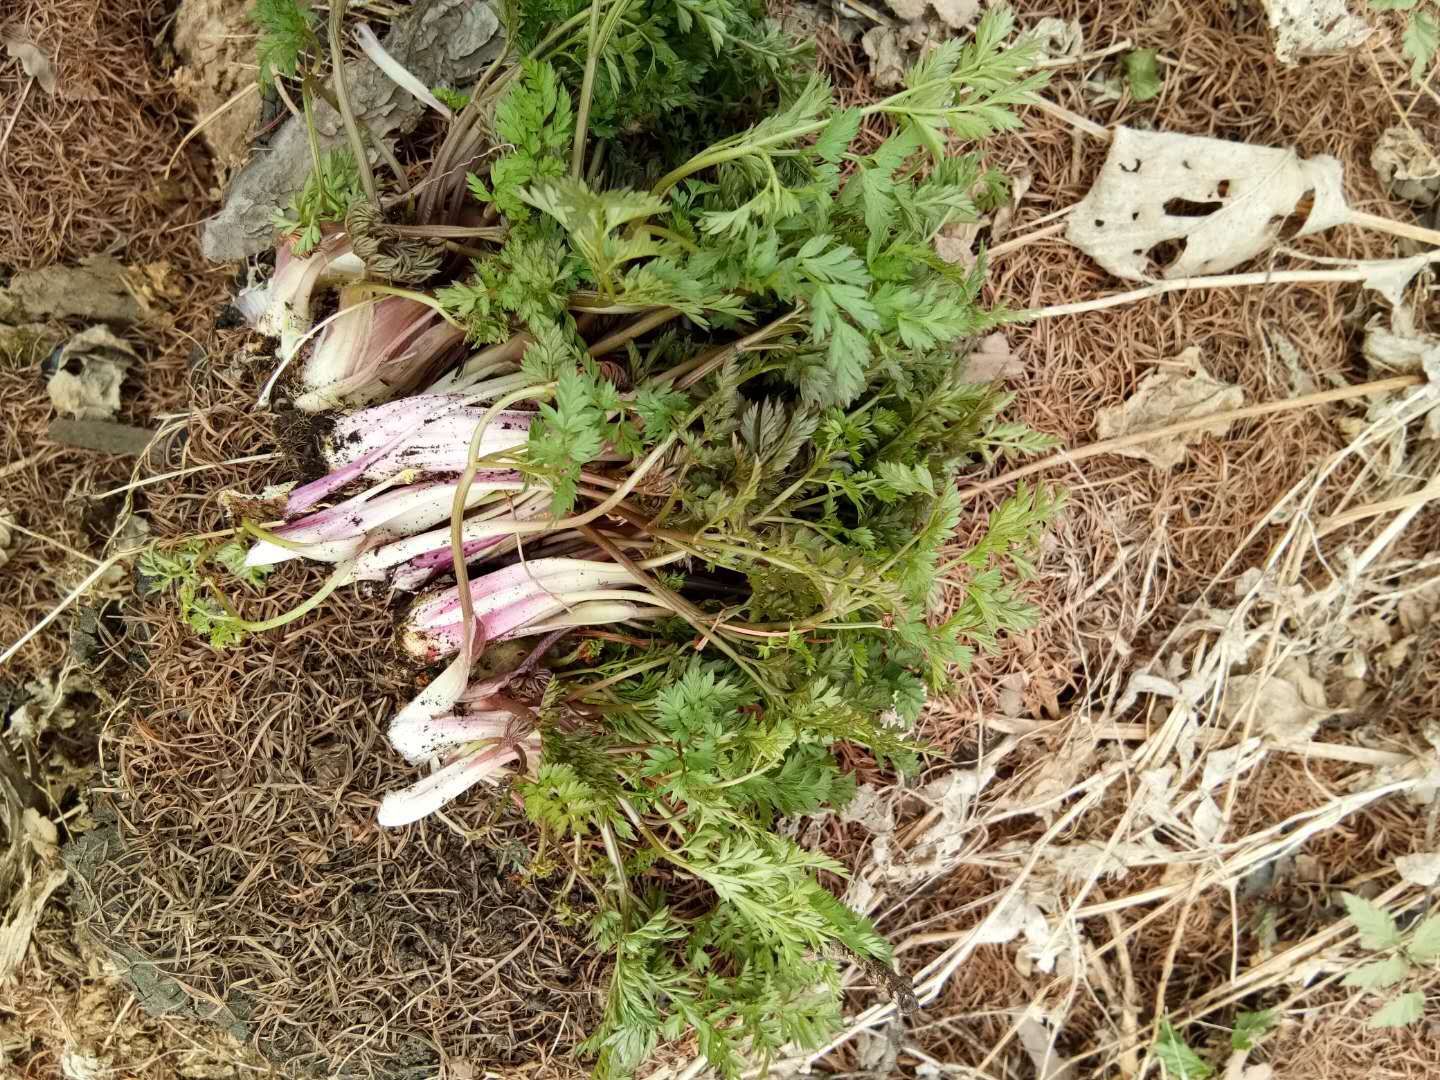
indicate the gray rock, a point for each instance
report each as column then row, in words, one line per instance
column 443, row 42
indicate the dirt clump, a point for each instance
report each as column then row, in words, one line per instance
column 215, row 42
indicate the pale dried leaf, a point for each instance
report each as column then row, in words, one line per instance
column 1011, row 697
column 78, row 1063
column 1168, row 397
column 1058, row 774
column 871, row 807
column 1019, row 186
column 1391, row 277
column 36, row 64
column 860, row 895
column 1390, row 351
column 1019, row 915
column 1208, row 820
column 41, row 834
column 1039, row 1046
column 7, row 534
column 1229, row 763
column 48, row 706
column 1220, row 203
column 1236, row 1069
column 957, row 14
column 992, row 360
column 1107, row 89
column 23, row 912
column 1422, row 868
column 1288, row 705
column 955, row 243
column 1418, row 607
column 951, row 798
column 1155, row 800
column 909, row 10
column 1055, row 39
column 92, row 392
column 1077, row 863
column 1407, row 166
column 886, row 52
column 1301, row 381
column 1313, row 28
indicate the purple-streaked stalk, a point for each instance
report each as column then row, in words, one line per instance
column 426, row 796
column 507, row 601
column 375, row 351
column 282, row 306
column 471, row 633
column 414, row 559
column 533, row 597
column 425, row 435
column 372, row 519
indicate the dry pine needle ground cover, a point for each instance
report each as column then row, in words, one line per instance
column 1133, row 914
column 242, row 786
column 80, row 175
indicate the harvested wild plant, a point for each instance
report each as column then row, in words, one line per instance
column 682, row 400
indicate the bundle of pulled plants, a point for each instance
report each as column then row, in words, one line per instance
column 654, row 386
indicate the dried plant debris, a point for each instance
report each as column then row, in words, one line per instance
column 7, row 534
column 1286, row 706
column 88, row 372
column 51, row 702
column 1304, row 28
column 1407, row 165
column 892, row 49
column 955, row 243
column 1173, row 206
column 1392, row 346
column 98, row 289
column 1055, row 39
column 1422, row 868
column 35, row 63
column 39, row 877
column 1167, row 397
column 955, row 14
column 993, row 360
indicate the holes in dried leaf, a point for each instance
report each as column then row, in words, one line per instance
column 1293, row 224
column 1178, row 207
column 1166, row 253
